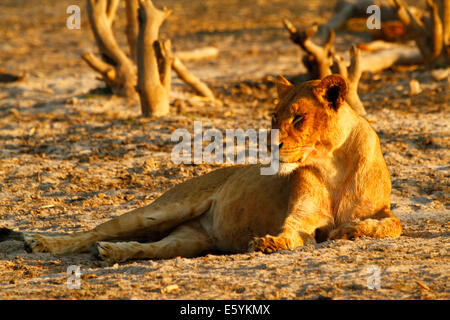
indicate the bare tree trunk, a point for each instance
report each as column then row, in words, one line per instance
column 154, row 61
column 444, row 7
column 132, row 29
column 444, row 10
column 116, row 69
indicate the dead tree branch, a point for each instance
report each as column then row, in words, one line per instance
column 199, row 86
column 319, row 59
column 344, row 10
column 347, row 9
column 197, row 54
column 431, row 33
column 114, row 66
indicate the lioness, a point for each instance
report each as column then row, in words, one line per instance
column 333, row 183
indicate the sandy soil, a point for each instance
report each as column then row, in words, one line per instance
column 73, row 156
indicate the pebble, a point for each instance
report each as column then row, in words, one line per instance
column 414, row 87
column 170, row 288
column 440, row 74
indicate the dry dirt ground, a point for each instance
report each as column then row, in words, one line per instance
column 73, row 156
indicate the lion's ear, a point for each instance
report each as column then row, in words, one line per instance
column 283, row 86
column 332, row 91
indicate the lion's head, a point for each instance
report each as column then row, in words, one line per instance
column 306, row 117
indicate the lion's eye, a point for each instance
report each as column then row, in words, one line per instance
column 297, row 119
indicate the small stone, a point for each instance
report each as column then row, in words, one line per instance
column 170, row 288
column 376, row 77
column 440, row 74
column 72, row 101
column 414, row 87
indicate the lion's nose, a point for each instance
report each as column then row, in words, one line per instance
column 280, row 145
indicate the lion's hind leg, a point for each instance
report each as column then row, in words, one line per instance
column 150, row 221
column 184, row 202
column 187, row 240
column 383, row 224
column 144, row 222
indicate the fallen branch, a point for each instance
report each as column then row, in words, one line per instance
column 378, row 45
column 198, row 54
column 385, row 59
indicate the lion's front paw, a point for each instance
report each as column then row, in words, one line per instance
column 269, row 244
column 347, row 231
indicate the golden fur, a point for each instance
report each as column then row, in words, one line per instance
column 333, row 183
